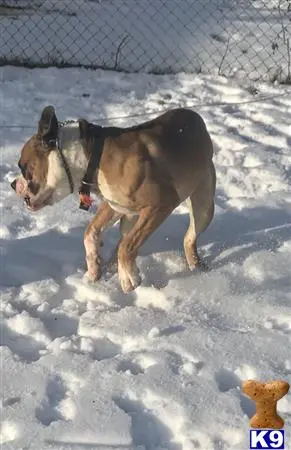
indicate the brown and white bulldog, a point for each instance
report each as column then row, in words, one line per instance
column 142, row 174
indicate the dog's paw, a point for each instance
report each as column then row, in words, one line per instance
column 92, row 275
column 129, row 280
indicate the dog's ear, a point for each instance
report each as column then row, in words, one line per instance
column 48, row 125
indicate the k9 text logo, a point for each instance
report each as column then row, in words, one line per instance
column 267, row 439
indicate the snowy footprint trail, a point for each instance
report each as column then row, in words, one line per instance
column 87, row 367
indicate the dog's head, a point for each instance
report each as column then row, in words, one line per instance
column 42, row 176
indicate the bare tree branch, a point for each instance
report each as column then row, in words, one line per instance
column 223, row 56
column 122, row 43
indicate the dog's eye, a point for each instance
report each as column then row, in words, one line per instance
column 22, row 168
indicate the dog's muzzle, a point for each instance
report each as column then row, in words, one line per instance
column 26, row 198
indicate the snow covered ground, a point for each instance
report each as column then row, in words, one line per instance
column 87, row 367
column 234, row 37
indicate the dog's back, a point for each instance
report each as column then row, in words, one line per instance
column 173, row 151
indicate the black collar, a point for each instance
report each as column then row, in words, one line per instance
column 65, row 166
column 96, row 138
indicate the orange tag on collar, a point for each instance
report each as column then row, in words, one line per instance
column 85, row 201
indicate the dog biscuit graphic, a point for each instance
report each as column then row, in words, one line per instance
column 266, row 396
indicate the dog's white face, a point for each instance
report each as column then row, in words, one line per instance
column 43, row 180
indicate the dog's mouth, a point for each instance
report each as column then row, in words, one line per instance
column 27, row 201
column 34, row 206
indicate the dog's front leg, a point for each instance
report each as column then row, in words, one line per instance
column 104, row 218
column 149, row 219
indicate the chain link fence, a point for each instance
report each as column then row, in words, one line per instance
column 227, row 37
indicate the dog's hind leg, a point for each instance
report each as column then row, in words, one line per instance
column 105, row 217
column 201, row 211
